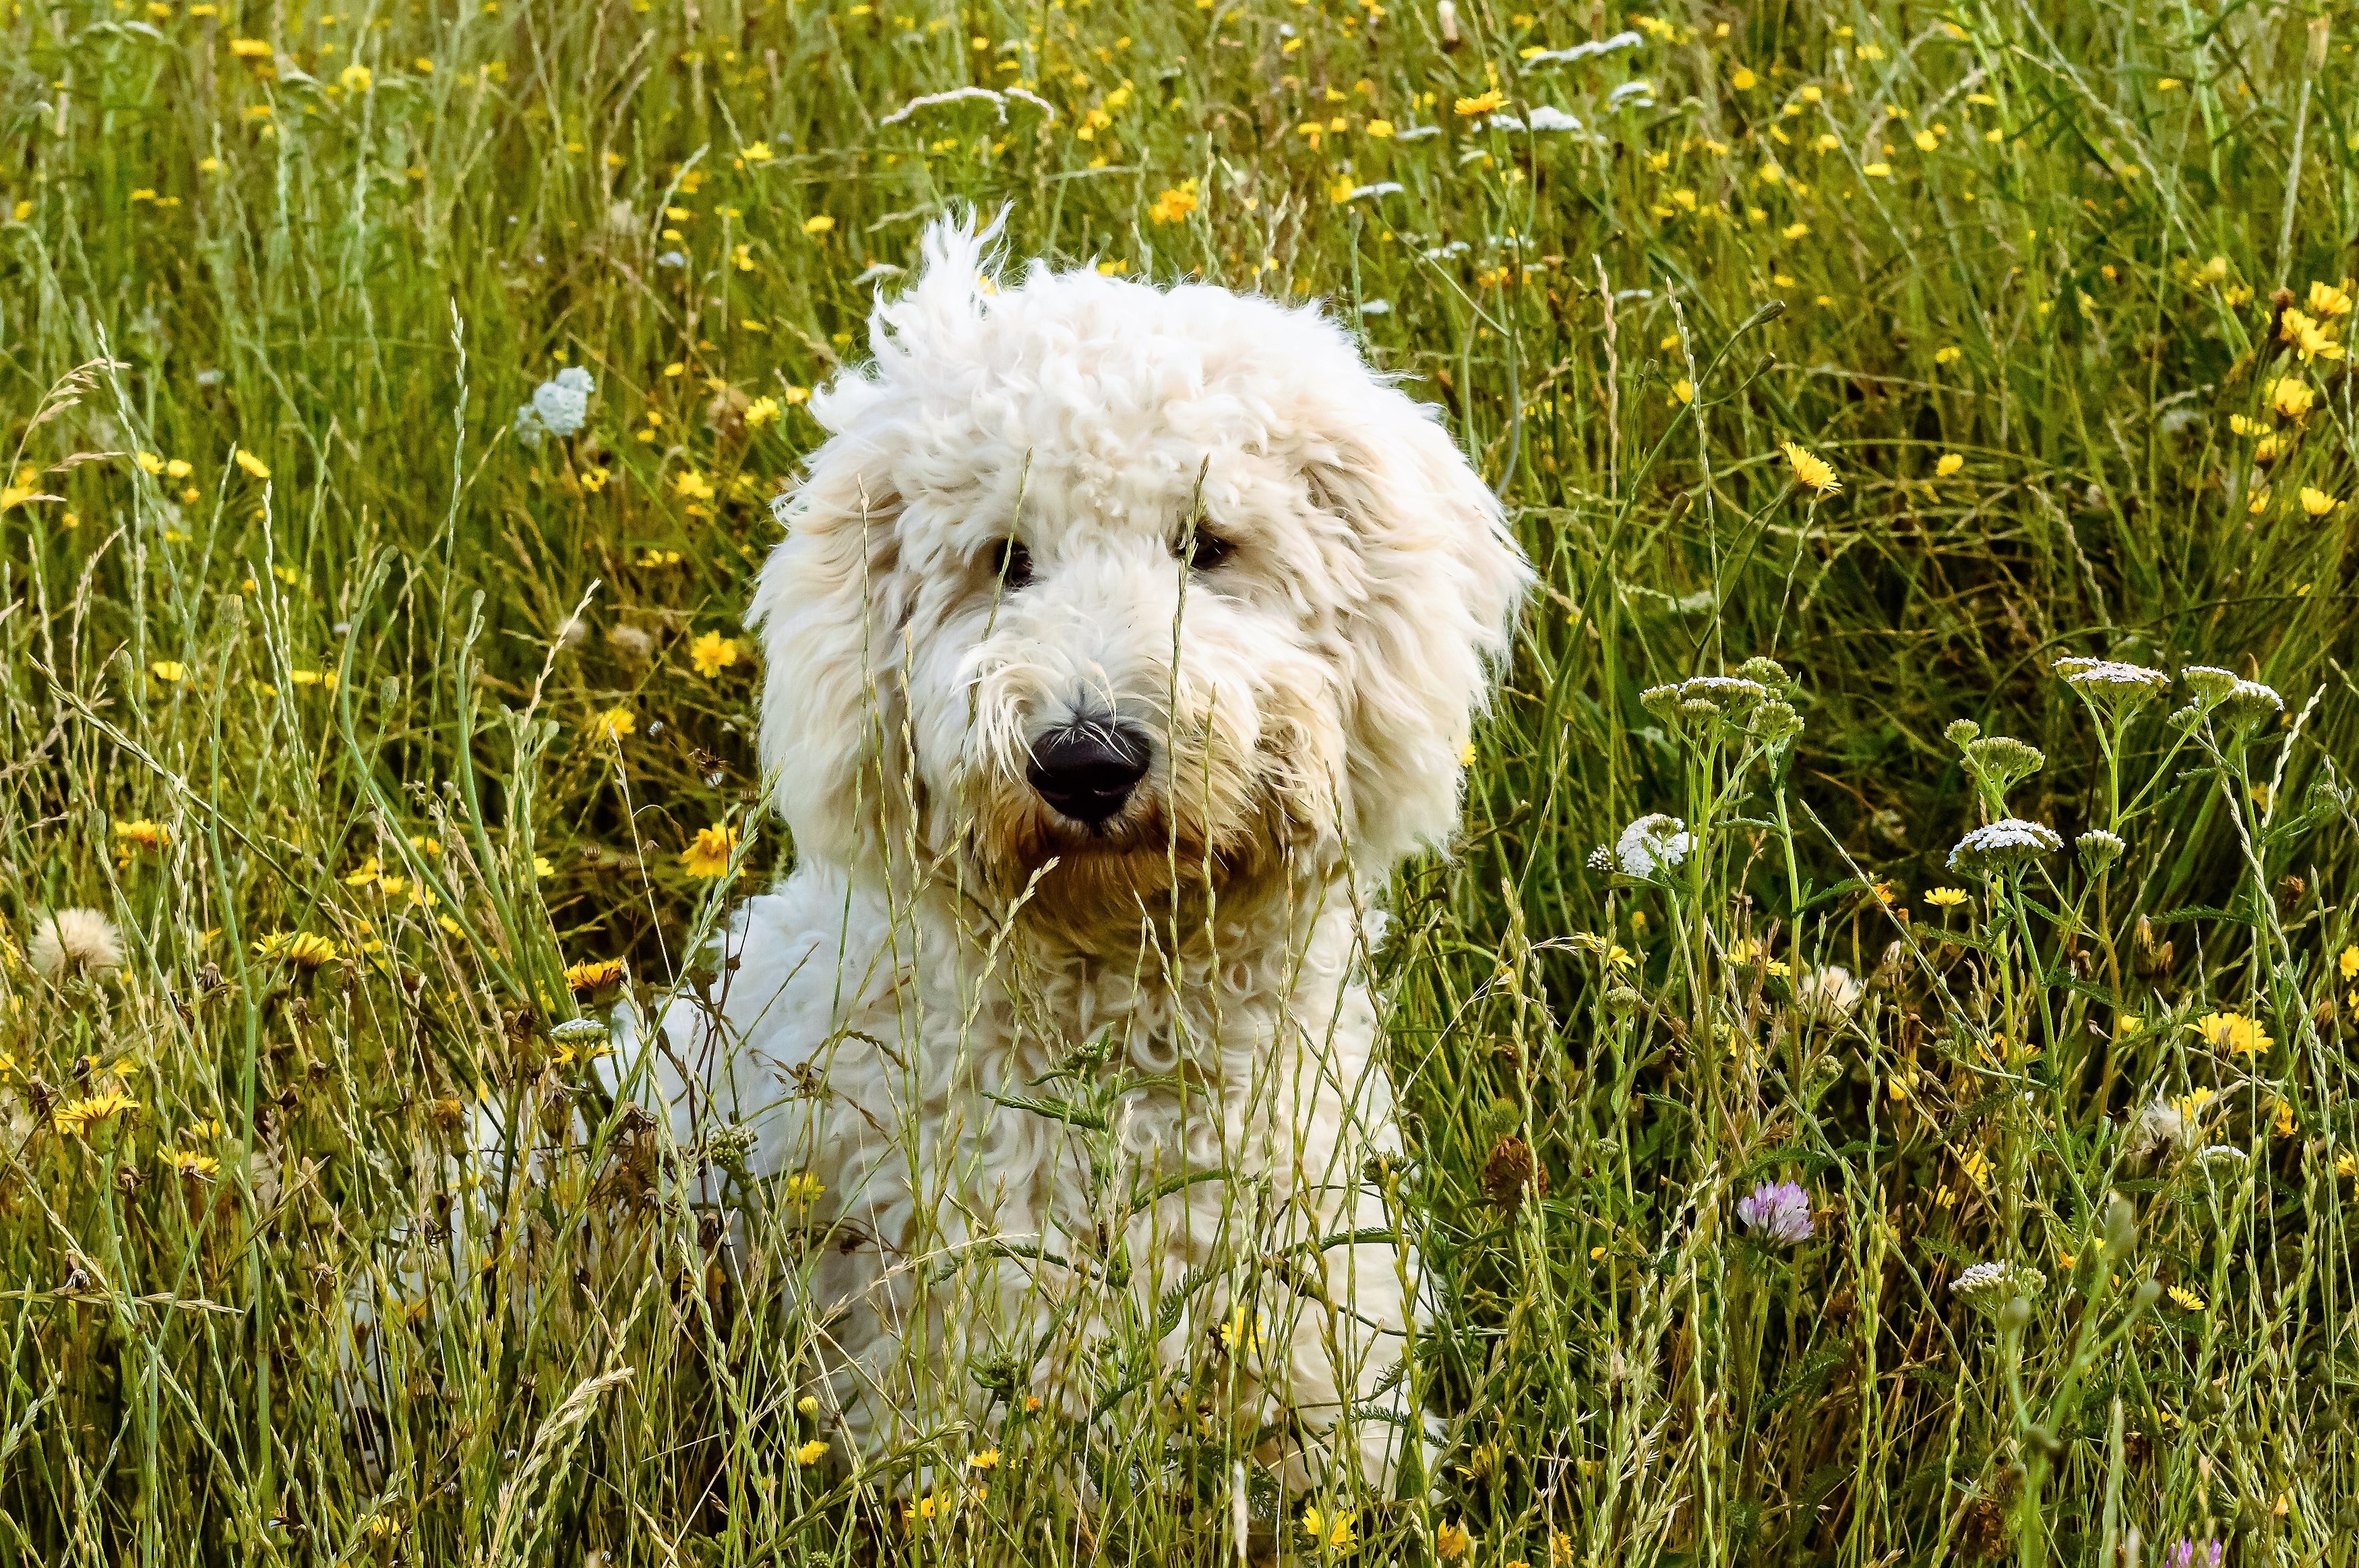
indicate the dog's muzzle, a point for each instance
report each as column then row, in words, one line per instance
column 1087, row 771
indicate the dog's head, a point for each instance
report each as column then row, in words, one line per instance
column 1123, row 577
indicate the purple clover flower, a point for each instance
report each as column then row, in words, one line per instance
column 1778, row 1212
column 2187, row 1554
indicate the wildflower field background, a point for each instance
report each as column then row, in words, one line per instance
column 380, row 729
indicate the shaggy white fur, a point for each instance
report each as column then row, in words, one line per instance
column 1001, row 1037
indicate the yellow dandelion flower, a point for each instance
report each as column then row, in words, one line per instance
column 2234, row 1032
column 2317, row 502
column 760, row 412
column 614, row 724
column 812, row 1452
column 356, row 78
column 192, row 1164
column 1945, row 898
column 1948, row 464
column 1813, row 472
column 249, row 462
column 2347, row 963
column 1331, row 1531
column 2292, row 397
column 712, row 654
column 142, row 835
column 169, row 670
column 986, row 1460
column 802, row 1189
column 77, row 1118
column 708, row 857
column 754, row 152
column 2330, row 299
column 594, row 975
column 692, row 485
column 819, row 224
column 1452, row 1541
column 2185, row 1298
column 1380, row 129
column 304, row 949
column 251, row 49
column 1744, row 81
column 1482, row 103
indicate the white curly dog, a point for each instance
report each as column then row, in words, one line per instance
column 1121, row 642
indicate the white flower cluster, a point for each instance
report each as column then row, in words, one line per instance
column 1653, row 843
column 559, row 407
column 1989, row 1286
column 2111, row 672
column 2003, row 845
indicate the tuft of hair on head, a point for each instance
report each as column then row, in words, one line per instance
column 74, row 942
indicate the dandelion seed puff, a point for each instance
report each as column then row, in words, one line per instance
column 76, row 941
column 1655, row 842
column 1832, row 990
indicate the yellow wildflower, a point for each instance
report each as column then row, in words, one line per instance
column 1948, row 464
column 171, row 670
column 818, row 225
column 594, row 975
column 142, row 834
column 2292, row 397
column 77, row 1118
column 802, row 1189
column 1174, row 205
column 356, row 78
column 249, row 462
column 1452, row 1541
column 986, row 1460
column 708, row 856
column 812, row 1452
column 754, row 152
column 251, row 49
column 2185, row 1297
column 189, row 1162
column 2347, row 962
column 304, row 949
column 2317, row 502
column 712, row 654
column 2330, row 299
column 2235, row 1033
column 1329, row 1531
column 1813, row 472
column 614, row 724
column 692, row 485
column 1482, row 103
column 760, row 412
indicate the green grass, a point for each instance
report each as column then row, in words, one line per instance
column 356, row 286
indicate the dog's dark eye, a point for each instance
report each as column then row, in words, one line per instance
column 1204, row 550
column 1011, row 563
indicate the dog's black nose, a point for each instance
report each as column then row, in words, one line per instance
column 1086, row 771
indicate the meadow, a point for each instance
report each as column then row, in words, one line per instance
column 1835, row 1174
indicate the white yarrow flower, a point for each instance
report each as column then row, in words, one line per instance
column 559, row 407
column 2006, row 843
column 1987, row 1287
column 1653, row 843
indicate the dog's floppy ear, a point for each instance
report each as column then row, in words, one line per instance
column 828, row 607
column 1440, row 581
